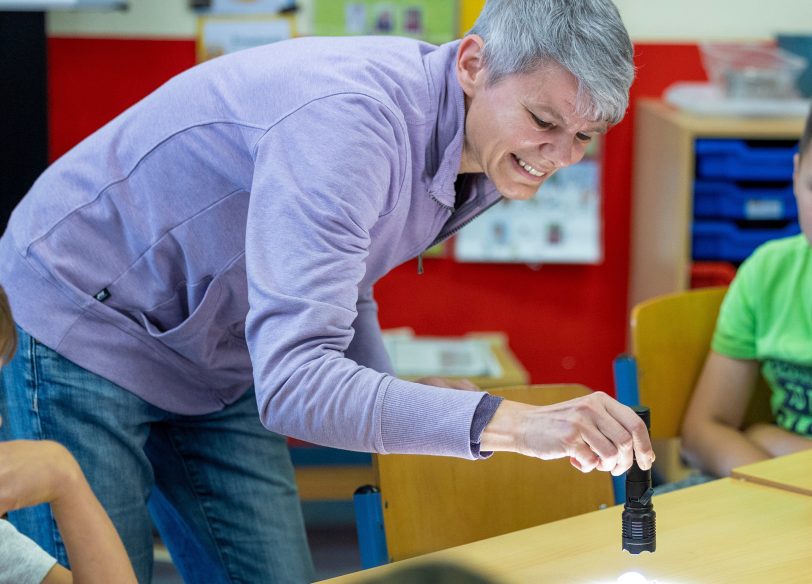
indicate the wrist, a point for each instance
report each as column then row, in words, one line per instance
column 505, row 430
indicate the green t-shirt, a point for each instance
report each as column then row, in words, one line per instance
column 767, row 316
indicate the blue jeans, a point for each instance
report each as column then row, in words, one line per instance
column 219, row 487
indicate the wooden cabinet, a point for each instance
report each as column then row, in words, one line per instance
column 662, row 201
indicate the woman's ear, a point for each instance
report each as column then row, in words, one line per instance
column 470, row 64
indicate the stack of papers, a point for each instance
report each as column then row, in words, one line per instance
column 443, row 357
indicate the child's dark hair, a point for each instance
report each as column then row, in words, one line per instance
column 8, row 334
column 806, row 137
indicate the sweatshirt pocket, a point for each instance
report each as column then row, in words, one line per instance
column 196, row 336
column 203, row 322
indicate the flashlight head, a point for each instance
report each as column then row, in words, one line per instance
column 639, row 520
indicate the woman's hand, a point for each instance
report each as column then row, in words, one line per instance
column 594, row 431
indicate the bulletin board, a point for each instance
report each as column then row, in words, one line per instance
column 221, row 34
column 435, row 21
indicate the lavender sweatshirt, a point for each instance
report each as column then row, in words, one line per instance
column 228, row 229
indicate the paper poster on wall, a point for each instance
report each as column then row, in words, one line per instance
column 432, row 20
column 561, row 224
column 219, row 35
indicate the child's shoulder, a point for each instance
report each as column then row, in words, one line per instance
column 786, row 249
column 778, row 264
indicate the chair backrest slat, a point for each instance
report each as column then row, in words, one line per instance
column 670, row 338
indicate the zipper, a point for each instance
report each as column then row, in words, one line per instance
column 445, row 235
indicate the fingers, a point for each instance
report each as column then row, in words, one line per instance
column 464, row 384
column 641, row 442
column 620, row 458
column 594, row 432
column 618, row 437
column 584, row 459
column 601, row 447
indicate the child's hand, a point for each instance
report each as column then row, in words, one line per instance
column 34, row 472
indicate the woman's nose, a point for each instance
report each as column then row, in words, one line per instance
column 560, row 151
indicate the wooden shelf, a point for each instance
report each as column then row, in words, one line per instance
column 662, row 202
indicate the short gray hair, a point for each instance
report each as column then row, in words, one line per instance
column 585, row 37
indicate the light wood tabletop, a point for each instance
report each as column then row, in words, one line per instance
column 727, row 530
column 792, row 472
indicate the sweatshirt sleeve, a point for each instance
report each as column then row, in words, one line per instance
column 735, row 333
column 324, row 175
column 367, row 346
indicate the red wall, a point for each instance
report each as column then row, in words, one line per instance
column 565, row 323
column 90, row 81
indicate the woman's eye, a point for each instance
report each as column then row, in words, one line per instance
column 541, row 123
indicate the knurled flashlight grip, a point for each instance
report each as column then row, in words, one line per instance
column 639, row 519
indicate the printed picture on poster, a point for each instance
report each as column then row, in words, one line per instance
column 560, row 224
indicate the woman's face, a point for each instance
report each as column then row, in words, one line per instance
column 523, row 128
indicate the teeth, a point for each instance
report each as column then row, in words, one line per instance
column 529, row 168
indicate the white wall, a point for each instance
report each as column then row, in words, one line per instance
column 692, row 20
column 143, row 18
column 647, row 20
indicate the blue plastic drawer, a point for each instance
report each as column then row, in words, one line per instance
column 719, row 240
column 743, row 160
column 727, row 200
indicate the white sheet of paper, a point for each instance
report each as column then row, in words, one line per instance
column 442, row 357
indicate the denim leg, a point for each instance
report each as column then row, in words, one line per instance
column 228, row 480
column 226, row 501
column 101, row 424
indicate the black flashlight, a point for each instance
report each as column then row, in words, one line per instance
column 639, row 526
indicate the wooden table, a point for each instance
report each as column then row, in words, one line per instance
column 723, row 531
column 792, row 472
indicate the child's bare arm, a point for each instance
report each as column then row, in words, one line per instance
column 34, row 472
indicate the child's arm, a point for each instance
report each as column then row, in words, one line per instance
column 33, row 472
column 777, row 441
column 712, row 438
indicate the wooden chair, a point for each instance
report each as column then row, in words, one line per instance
column 431, row 503
column 670, row 339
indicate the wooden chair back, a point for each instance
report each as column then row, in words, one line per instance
column 670, row 338
column 432, row 503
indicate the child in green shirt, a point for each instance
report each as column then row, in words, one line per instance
column 764, row 326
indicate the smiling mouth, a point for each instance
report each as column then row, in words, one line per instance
column 530, row 169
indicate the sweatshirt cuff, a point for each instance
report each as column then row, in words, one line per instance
column 420, row 419
column 482, row 415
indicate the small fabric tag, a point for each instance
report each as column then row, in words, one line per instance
column 102, row 295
